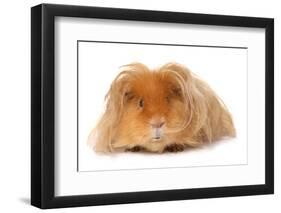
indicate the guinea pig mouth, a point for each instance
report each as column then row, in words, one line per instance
column 156, row 134
column 156, row 138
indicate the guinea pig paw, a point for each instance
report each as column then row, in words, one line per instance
column 174, row 148
column 135, row 149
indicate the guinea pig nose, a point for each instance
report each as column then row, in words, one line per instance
column 157, row 124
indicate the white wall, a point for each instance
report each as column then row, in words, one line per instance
column 15, row 105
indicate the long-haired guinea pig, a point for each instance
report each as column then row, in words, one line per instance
column 162, row 110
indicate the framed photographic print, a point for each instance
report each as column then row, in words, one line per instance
column 139, row 106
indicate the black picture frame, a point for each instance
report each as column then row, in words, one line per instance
column 43, row 111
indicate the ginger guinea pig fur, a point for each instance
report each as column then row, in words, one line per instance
column 163, row 110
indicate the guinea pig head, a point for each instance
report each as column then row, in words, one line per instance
column 147, row 107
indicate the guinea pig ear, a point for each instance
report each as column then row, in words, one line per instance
column 175, row 90
column 178, row 78
column 185, row 84
column 128, row 95
column 106, row 127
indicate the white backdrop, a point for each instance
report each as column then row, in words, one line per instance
column 15, row 106
column 222, row 68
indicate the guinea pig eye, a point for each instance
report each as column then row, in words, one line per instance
column 168, row 99
column 141, row 103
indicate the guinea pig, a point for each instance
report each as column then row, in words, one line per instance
column 162, row 110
